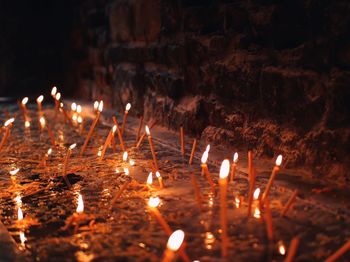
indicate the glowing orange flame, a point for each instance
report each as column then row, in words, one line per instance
column 58, row 96
column 158, row 174
column 49, row 151
column 79, row 109
column 14, row 172
column 125, row 156
column 96, row 103
column 256, row 193
column 281, row 248
column 40, row 99
column 19, row 214
column 25, row 100
column 237, row 202
column 80, row 207
column 114, row 128
column 54, row 91
column 154, row 201
column 72, row 146
column 42, row 121
column 26, row 124
column 147, row 130
column 126, row 171
column 150, row 179
column 100, row 106
column 175, row 240
column 235, row 157
column 8, row 122
column 127, row 107
column 204, row 157
column 80, row 119
column 257, row 213
column 224, row 169
column 207, row 148
column 73, row 106
column 279, row 160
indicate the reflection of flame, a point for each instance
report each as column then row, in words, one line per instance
column 256, row 193
column 204, row 157
column 150, row 179
column 80, row 207
column 19, row 214
column 279, row 160
column 175, row 240
column 257, row 213
column 281, row 248
column 147, row 130
column 125, row 156
column 54, row 91
column 235, row 157
column 26, row 123
column 14, row 172
column 96, row 103
column 25, row 100
column 22, row 237
column 224, row 169
column 154, row 201
column 209, row 240
column 128, row 106
column 131, row 162
column 237, row 202
column 73, row 106
column 10, row 121
column 100, row 106
column 40, row 99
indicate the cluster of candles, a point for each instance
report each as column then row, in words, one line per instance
column 258, row 203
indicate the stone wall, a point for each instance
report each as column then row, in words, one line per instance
column 262, row 74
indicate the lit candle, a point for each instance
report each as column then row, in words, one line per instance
column 182, row 141
column 7, row 125
column 108, row 141
column 92, row 127
column 46, row 156
column 205, row 170
column 160, row 180
column 153, row 203
column 80, row 206
column 233, row 166
column 139, row 129
column 272, row 177
column 224, row 171
column 289, row 203
column 26, row 124
column 251, row 189
column 24, row 103
column 52, row 138
column 121, row 141
column 152, row 147
column 39, row 100
column 64, row 172
column 53, row 91
column 174, row 243
column 192, row 151
column 281, row 248
column 144, row 135
column 125, row 156
column 42, row 122
column 127, row 108
column 96, row 104
column 149, row 181
column 122, row 189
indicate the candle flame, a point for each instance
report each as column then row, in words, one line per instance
column 204, row 157
column 175, row 240
column 49, row 151
column 154, row 201
column 40, row 99
column 257, row 213
column 131, row 162
column 125, row 156
column 96, row 103
column 235, row 157
column 72, row 146
column 150, row 179
column 19, row 214
column 42, row 121
column 22, row 237
column 79, row 109
column 224, row 169
column 54, row 91
column 207, row 148
column 25, row 100
column 158, row 174
column 279, row 160
column 147, row 130
column 73, row 106
column 14, row 172
column 74, row 117
column 281, row 248
column 126, row 171
column 58, row 96
column 256, row 193
column 61, row 105
column 114, row 128
column 237, row 202
column 8, row 122
column 127, row 107
column 100, row 106
column 80, row 207
column 80, row 119
column 26, row 124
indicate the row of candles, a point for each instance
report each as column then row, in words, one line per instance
column 176, row 239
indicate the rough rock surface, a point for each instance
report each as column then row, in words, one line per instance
column 266, row 75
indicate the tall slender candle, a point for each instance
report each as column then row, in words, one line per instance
column 160, row 180
column 224, row 171
column 108, row 141
column 121, row 190
column 42, row 123
column 289, row 203
column 65, row 164
column 272, row 177
column 182, row 141
column 174, row 243
column 205, row 170
column 293, row 249
column 39, row 100
column 251, row 190
column 139, row 129
column 7, row 126
column 152, row 147
column 121, row 141
column 250, row 166
column 127, row 108
column 144, row 135
column 192, row 151
column 51, row 136
column 234, row 166
column 92, row 127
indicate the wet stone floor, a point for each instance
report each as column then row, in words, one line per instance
column 125, row 230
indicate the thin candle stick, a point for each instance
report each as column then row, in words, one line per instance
column 289, row 203
column 268, row 220
column 120, row 192
column 224, row 171
column 272, row 177
column 108, row 141
column 251, row 192
column 182, row 141
column 192, row 151
column 139, row 129
column 150, row 140
column 65, row 164
column 293, row 249
column 52, row 138
column 7, row 125
column 144, row 135
column 121, row 141
column 250, row 165
column 127, row 108
column 341, row 251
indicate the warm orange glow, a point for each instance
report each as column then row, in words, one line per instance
column 74, row 117
column 8, row 122
column 18, row 200
column 80, row 119
column 126, row 171
column 42, row 122
column 114, row 128
column 72, row 146
column 256, row 193
column 25, row 100
column 279, row 160
column 127, row 107
column 14, row 172
column 79, row 109
column 73, row 106
column 147, row 130
column 80, row 207
column 54, row 91
column 61, row 105
column 175, row 240
column 58, row 96
column 237, row 202
column 158, row 174
column 154, row 201
column 125, row 156
column 40, row 99
column 150, row 179
column 207, row 148
column 96, row 103
column 235, row 157
column 19, row 214
column 49, row 151
column 26, row 124
column 204, row 157
column 131, row 162
column 22, row 237
column 257, row 213
column 100, row 106
column 281, row 248
column 224, row 169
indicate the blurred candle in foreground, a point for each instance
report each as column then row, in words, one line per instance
column 174, row 243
